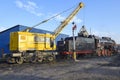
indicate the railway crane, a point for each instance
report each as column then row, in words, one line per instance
column 26, row 46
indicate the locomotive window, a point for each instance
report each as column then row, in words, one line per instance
column 36, row 39
column 39, row 39
column 47, row 40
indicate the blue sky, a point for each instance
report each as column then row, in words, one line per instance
column 101, row 16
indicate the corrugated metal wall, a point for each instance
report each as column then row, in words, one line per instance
column 4, row 39
column 5, row 36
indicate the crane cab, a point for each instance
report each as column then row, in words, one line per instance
column 27, row 41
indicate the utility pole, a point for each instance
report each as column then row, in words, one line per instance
column 74, row 48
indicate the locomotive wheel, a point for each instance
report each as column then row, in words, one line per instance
column 33, row 59
column 26, row 60
column 50, row 58
column 40, row 59
column 10, row 60
column 19, row 60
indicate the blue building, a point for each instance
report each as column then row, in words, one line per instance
column 5, row 36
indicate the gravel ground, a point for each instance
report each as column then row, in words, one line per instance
column 100, row 68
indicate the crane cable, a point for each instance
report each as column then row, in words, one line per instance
column 49, row 19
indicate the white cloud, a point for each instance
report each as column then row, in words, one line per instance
column 32, row 4
column 2, row 28
column 75, row 19
column 100, row 33
column 114, row 36
column 28, row 6
column 60, row 18
column 32, row 8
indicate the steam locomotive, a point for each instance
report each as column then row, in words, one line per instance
column 86, row 45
